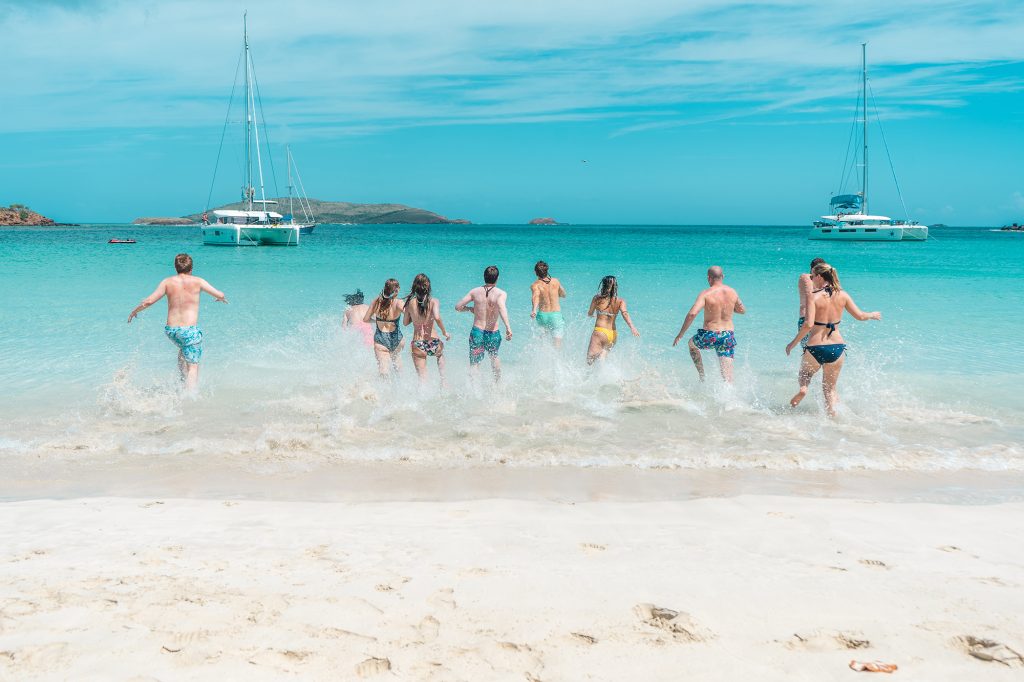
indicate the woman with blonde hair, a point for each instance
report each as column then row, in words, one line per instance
column 606, row 305
column 423, row 312
column 386, row 312
column 825, row 349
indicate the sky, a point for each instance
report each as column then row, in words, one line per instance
column 650, row 111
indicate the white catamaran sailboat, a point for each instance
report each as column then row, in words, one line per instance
column 849, row 218
column 255, row 224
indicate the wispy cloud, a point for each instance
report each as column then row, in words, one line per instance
column 358, row 67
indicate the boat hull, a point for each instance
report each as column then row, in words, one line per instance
column 876, row 233
column 306, row 229
column 224, row 235
column 251, row 235
column 280, row 235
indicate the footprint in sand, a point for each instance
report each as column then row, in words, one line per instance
column 873, row 562
column 583, row 637
column 429, row 628
column 373, row 666
column 990, row 651
column 147, row 505
column 818, row 640
column 444, row 597
column 679, row 624
column 592, row 547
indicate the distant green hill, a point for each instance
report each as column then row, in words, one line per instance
column 345, row 212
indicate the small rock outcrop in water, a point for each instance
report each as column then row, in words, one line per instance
column 544, row 221
column 19, row 214
column 163, row 221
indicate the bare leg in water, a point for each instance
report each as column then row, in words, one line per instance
column 698, row 362
column 725, row 365
column 829, row 379
column 808, row 368
column 597, row 349
column 189, row 374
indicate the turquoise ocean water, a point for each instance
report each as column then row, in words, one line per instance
column 935, row 385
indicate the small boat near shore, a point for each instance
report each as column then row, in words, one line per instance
column 121, row 241
column 849, row 218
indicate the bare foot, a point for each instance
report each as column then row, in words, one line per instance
column 800, row 395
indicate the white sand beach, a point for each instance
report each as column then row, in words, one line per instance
column 766, row 588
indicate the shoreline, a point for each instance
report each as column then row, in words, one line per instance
column 403, row 482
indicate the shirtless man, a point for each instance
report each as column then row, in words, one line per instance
column 718, row 302
column 182, row 292
column 804, row 287
column 546, row 308
column 488, row 307
column 355, row 311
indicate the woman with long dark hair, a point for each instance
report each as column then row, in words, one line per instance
column 606, row 306
column 423, row 312
column 386, row 312
column 825, row 349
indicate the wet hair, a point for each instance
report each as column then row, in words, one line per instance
column 387, row 295
column 183, row 263
column 609, row 290
column 354, row 299
column 490, row 274
column 815, row 261
column 541, row 268
column 829, row 274
column 715, row 273
column 421, row 291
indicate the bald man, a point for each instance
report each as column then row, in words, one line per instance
column 718, row 302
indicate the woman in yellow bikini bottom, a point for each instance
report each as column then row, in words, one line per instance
column 606, row 306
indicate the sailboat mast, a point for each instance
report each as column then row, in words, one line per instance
column 256, row 138
column 864, row 88
column 248, row 120
column 288, row 153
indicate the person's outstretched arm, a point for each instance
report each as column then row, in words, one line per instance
column 461, row 305
column 535, row 298
column 739, row 308
column 593, row 307
column 852, row 308
column 695, row 309
column 406, row 316
column 625, row 316
column 561, row 290
column 160, row 292
column 805, row 328
column 208, row 288
column 503, row 312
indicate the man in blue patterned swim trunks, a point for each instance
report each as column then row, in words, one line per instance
column 487, row 303
column 718, row 302
column 182, row 292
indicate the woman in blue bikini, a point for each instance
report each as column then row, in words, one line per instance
column 386, row 312
column 825, row 348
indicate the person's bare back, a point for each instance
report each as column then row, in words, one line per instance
column 719, row 305
column 547, row 293
column 488, row 303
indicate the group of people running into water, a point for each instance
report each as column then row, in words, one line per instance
column 822, row 303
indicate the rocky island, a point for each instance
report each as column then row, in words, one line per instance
column 19, row 214
column 544, row 221
column 332, row 212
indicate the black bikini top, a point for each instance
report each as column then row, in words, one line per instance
column 831, row 326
